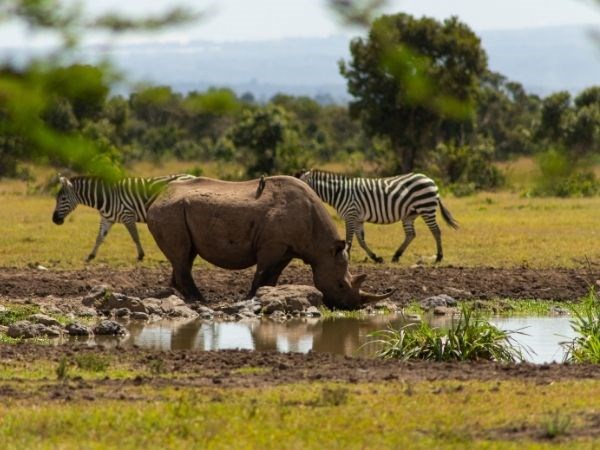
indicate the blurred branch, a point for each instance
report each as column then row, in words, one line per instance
column 120, row 24
column 357, row 12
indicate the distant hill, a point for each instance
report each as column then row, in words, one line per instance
column 544, row 60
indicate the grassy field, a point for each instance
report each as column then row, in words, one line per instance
column 396, row 414
column 502, row 229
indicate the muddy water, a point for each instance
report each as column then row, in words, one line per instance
column 542, row 335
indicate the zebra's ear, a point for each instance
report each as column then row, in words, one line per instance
column 64, row 181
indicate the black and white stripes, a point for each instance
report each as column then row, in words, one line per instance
column 381, row 200
column 125, row 201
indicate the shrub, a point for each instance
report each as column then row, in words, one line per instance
column 470, row 338
column 585, row 348
column 560, row 177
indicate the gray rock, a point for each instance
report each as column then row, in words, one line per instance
column 44, row 320
column 278, row 315
column 437, row 300
column 123, row 312
column 109, row 328
column 96, row 293
column 26, row 329
column 77, row 329
column 444, row 310
column 458, row 293
column 312, row 311
column 138, row 315
column 3, row 329
column 293, row 297
column 86, row 312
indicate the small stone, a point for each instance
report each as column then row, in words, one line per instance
column 25, row 329
column 278, row 315
column 109, row 328
column 123, row 312
column 138, row 315
column 443, row 310
column 77, row 329
column 294, row 297
column 97, row 292
column 437, row 300
column 312, row 311
column 44, row 320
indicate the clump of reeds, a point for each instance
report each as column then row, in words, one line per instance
column 469, row 338
column 585, row 347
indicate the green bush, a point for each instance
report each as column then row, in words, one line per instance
column 585, row 348
column 470, row 338
column 467, row 165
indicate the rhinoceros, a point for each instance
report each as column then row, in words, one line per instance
column 235, row 225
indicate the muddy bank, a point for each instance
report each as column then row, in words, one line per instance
column 221, row 285
column 225, row 368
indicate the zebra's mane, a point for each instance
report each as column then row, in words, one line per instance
column 348, row 177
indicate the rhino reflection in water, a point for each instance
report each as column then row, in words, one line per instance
column 236, row 225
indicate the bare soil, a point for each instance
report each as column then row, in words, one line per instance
column 219, row 368
column 222, row 285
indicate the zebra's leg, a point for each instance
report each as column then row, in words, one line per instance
column 409, row 234
column 105, row 225
column 437, row 234
column 132, row 228
column 360, row 235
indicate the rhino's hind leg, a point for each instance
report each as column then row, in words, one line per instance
column 270, row 264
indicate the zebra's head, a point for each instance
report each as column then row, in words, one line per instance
column 303, row 175
column 66, row 201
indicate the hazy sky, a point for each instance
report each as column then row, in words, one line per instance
column 271, row 19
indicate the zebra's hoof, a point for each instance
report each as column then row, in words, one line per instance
column 140, row 257
column 395, row 259
column 439, row 258
column 378, row 260
column 90, row 257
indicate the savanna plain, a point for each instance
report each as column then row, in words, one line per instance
column 509, row 248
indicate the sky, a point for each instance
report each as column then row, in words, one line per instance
column 251, row 20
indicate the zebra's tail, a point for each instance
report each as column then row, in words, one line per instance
column 451, row 221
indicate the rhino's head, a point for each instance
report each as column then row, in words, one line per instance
column 340, row 289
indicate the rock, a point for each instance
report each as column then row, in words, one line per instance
column 101, row 298
column 153, row 306
column 3, row 329
column 138, row 315
column 278, row 315
column 238, row 306
column 44, row 320
column 387, row 305
column 86, row 312
column 77, row 329
column 109, row 328
column 272, row 306
column 124, row 312
column 444, row 310
column 3, row 308
column 25, row 329
column 96, row 293
column 558, row 311
column 293, row 297
column 458, row 293
column 437, row 300
column 312, row 311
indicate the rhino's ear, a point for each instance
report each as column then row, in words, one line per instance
column 338, row 247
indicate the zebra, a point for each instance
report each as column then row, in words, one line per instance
column 125, row 201
column 381, row 200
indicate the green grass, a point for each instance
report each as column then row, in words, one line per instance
column 469, row 338
column 585, row 347
column 448, row 414
column 497, row 229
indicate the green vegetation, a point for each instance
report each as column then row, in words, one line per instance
column 446, row 414
column 469, row 338
column 13, row 313
column 541, row 232
column 585, row 348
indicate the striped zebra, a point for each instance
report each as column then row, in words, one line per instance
column 381, row 200
column 125, row 201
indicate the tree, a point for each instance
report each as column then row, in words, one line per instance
column 263, row 132
column 411, row 79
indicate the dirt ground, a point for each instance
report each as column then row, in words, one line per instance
column 221, row 285
column 221, row 369
column 67, row 286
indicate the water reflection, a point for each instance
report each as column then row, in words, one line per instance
column 342, row 336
